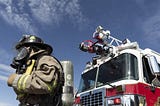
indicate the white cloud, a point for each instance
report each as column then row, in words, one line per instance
column 54, row 11
column 14, row 16
column 7, row 68
column 5, row 71
column 3, row 78
column 24, row 13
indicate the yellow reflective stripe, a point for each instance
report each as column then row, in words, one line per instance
column 24, row 82
column 51, row 86
column 21, row 81
column 30, row 68
column 24, row 77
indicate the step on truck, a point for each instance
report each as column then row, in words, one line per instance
column 120, row 74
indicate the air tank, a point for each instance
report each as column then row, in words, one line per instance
column 68, row 95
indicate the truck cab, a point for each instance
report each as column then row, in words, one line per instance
column 124, row 76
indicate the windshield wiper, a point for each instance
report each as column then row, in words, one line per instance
column 113, row 86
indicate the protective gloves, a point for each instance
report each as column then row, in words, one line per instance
column 11, row 79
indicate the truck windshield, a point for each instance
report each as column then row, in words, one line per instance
column 88, row 80
column 125, row 66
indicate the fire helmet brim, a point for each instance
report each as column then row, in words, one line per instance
column 40, row 45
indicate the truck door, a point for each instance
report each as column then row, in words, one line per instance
column 151, row 91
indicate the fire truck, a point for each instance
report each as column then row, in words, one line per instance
column 120, row 74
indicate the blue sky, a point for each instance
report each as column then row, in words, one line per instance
column 65, row 23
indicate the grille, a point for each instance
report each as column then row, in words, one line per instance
column 92, row 100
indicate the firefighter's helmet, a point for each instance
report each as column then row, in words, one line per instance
column 29, row 40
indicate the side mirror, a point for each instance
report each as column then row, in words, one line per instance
column 155, row 69
column 153, row 64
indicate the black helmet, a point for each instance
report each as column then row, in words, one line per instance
column 29, row 40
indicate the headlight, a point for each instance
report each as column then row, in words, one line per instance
column 126, row 100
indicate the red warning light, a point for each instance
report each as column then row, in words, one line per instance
column 117, row 101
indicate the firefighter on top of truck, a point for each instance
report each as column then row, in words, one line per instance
column 39, row 77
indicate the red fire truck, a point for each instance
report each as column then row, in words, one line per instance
column 120, row 74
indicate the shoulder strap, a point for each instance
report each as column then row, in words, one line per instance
column 61, row 77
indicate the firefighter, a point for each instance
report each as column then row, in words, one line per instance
column 38, row 79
